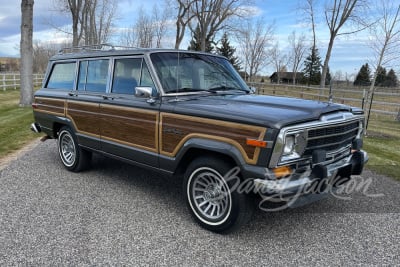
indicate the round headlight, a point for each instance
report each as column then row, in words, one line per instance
column 289, row 145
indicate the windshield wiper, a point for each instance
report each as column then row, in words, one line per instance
column 186, row 89
column 225, row 88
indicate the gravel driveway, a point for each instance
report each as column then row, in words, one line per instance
column 117, row 214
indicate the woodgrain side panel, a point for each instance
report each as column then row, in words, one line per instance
column 130, row 126
column 85, row 116
column 175, row 130
column 50, row 106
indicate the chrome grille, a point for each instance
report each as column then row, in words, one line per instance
column 331, row 138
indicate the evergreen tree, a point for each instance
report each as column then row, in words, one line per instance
column 195, row 43
column 363, row 77
column 228, row 51
column 391, row 79
column 380, row 77
column 312, row 67
column 328, row 77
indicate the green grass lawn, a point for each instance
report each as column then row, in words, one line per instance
column 14, row 123
column 383, row 146
column 384, row 155
column 382, row 142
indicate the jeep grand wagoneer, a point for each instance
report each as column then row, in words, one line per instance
column 190, row 113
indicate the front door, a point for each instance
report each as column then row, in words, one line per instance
column 129, row 125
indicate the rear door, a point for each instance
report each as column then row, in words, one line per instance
column 83, row 106
column 129, row 124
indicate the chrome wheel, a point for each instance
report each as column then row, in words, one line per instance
column 67, row 148
column 209, row 196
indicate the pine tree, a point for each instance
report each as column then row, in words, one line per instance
column 391, row 79
column 328, row 77
column 195, row 44
column 312, row 67
column 380, row 77
column 228, row 51
column 363, row 77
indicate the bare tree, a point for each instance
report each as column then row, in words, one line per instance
column 338, row 76
column 127, row 37
column 254, row 38
column 298, row 49
column 149, row 29
column 209, row 16
column 160, row 20
column 26, row 70
column 42, row 53
column 312, row 17
column 91, row 19
column 278, row 59
column 144, row 30
column 182, row 20
column 337, row 14
column 75, row 7
column 385, row 42
column 309, row 10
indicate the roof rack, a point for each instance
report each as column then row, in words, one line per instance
column 94, row 47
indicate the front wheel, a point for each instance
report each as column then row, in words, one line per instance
column 73, row 157
column 211, row 200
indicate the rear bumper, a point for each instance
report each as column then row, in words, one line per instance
column 315, row 183
column 35, row 127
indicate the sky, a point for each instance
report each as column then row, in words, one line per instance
column 348, row 55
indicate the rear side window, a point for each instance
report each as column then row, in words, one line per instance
column 62, row 76
column 93, row 75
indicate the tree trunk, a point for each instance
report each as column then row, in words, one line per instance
column 26, row 51
column 326, row 62
column 203, row 44
column 178, row 38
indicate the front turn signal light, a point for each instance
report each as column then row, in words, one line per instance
column 256, row 143
column 282, row 171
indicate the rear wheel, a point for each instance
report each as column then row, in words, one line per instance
column 211, row 200
column 73, row 157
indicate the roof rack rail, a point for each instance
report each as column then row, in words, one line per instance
column 94, row 47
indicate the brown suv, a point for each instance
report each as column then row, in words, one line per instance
column 190, row 113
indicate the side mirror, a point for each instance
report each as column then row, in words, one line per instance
column 146, row 92
column 253, row 90
column 143, row 92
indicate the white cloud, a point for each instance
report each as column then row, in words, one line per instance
column 9, row 46
column 250, row 11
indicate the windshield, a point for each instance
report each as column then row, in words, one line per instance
column 190, row 72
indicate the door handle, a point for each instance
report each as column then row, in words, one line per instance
column 106, row 97
column 72, row 94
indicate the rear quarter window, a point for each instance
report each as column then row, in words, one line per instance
column 62, row 76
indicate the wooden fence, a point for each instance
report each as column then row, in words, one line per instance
column 12, row 80
column 385, row 101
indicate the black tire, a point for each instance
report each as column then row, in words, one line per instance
column 72, row 156
column 210, row 198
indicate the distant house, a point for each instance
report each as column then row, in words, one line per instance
column 9, row 64
column 285, row 77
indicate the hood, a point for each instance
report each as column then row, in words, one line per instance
column 270, row 111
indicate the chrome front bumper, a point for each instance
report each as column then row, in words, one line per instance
column 352, row 164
